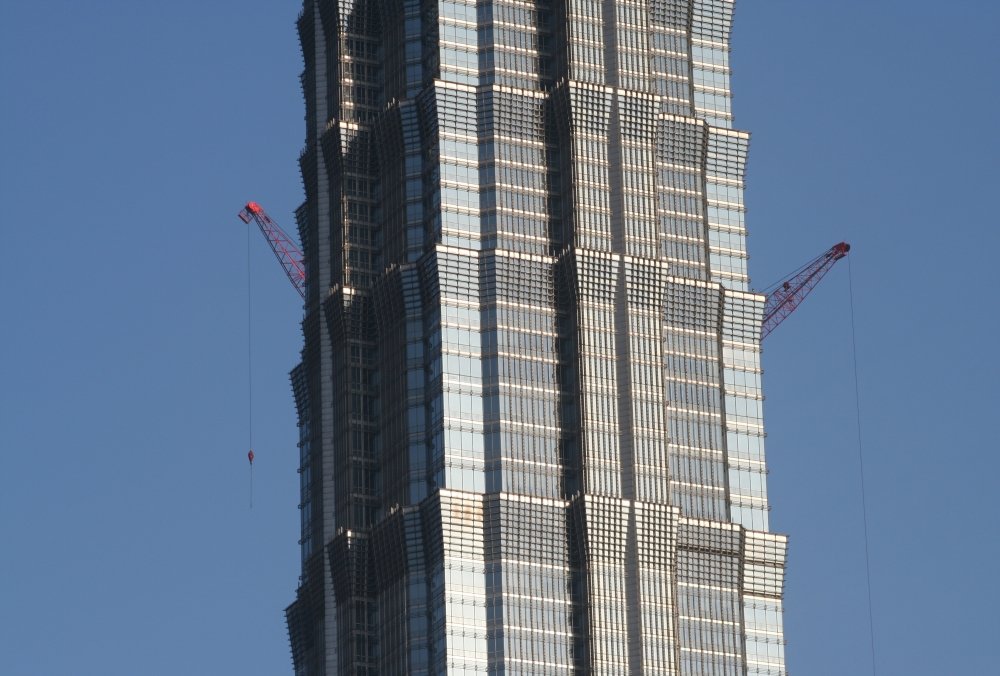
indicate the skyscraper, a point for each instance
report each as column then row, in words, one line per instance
column 530, row 408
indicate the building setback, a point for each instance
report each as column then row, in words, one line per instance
column 530, row 409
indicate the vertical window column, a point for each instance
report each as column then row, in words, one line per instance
column 725, row 169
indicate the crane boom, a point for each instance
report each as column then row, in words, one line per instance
column 785, row 296
column 284, row 247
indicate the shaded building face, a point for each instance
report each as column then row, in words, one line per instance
column 530, row 410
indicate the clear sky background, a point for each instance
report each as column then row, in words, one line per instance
column 132, row 133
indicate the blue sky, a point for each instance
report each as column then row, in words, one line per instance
column 133, row 132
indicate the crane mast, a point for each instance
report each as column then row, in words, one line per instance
column 285, row 249
column 784, row 297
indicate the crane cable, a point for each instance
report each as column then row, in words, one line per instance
column 861, row 465
column 250, row 364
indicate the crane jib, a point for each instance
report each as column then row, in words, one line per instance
column 783, row 298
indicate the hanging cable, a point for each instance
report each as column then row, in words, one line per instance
column 861, row 464
column 250, row 366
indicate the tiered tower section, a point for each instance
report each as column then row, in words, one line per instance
column 530, row 405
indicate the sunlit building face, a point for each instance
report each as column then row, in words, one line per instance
column 531, row 438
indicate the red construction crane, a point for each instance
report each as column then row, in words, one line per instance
column 785, row 296
column 284, row 247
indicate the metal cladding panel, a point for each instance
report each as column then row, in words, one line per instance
column 625, row 556
column 765, row 555
column 710, row 605
column 400, row 578
column 300, row 627
column 528, row 579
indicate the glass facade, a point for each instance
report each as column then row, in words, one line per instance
column 531, row 438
